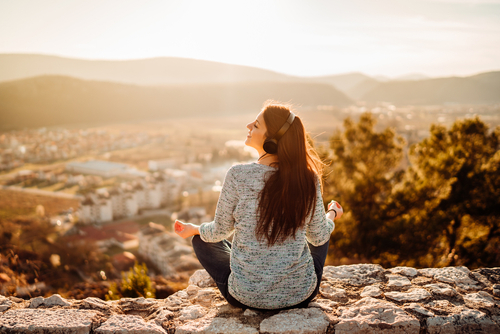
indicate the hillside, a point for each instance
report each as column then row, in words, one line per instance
column 477, row 89
column 54, row 100
column 153, row 71
column 343, row 82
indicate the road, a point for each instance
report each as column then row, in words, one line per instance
column 43, row 192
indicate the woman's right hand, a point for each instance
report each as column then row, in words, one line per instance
column 185, row 230
column 334, row 205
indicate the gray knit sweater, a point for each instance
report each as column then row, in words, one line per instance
column 264, row 277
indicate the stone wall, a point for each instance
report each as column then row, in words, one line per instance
column 363, row 298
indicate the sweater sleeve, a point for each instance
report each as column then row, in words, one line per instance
column 319, row 228
column 223, row 224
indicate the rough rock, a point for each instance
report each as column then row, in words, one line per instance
column 492, row 274
column 215, row 326
column 202, row 279
column 60, row 321
column 441, row 289
column 496, row 290
column 95, row 304
column 406, row 271
column 205, row 297
column 355, row 274
column 129, row 324
column 192, row 312
column 414, row 307
column 332, row 293
column 371, row 291
column 138, row 306
column 250, row 313
column 298, row 321
column 161, row 316
column 228, row 309
column 444, row 307
column 468, row 321
column 325, row 304
column 420, row 280
column 460, row 276
column 481, row 279
column 480, row 299
column 54, row 300
column 192, row 290
column 414, row 295
column 398, row 282
column 370, row 315
column 5, row 303
column 467, row 302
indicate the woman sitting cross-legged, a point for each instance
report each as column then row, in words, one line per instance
column 275, row 209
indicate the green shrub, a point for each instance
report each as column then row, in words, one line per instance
column 135, row 283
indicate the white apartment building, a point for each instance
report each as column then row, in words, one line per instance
column 95, row 209
column 123, row 202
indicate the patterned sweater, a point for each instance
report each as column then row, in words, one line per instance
column 264, row 277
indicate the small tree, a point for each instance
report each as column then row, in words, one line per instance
column 135, row 283
column 364, row 169
column 448, row 206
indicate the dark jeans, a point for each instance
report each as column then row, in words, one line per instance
column 214, row 257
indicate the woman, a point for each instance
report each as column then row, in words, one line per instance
column 275, row 210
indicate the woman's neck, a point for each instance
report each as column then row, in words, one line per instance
column 267, row 159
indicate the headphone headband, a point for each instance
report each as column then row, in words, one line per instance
column 285, row 127
column 271, row 144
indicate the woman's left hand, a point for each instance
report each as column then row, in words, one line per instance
column 334, row 205
column 186, row 230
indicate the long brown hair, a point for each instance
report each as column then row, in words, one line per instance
column 289, row 194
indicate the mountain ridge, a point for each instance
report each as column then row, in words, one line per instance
column 54, row 100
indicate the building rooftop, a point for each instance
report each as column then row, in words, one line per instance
column 99, row 165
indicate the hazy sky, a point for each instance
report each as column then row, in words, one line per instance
column 309, row 37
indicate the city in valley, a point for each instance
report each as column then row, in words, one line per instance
column 112, row 191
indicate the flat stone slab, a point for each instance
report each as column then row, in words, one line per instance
column 371, row 291
column 480, row 299
column 396, row 281
column 441, row 289
column 370, row 315
column 215, row 326
column 129, row 324
column 405, row 271
column 332, row 293
column 414, row 307
column 414, row 295
column 192, row 312
column 468, row 321
column 355, row 274
column 34, row 321
column 460, row 276
column 296, row 321
column 95, row 303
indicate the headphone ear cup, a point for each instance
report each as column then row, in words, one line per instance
column 271, row 146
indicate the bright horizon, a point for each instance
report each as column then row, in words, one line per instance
column 387, row 37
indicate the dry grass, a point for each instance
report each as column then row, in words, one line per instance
column 16, row 203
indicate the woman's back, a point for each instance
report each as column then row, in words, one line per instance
column 263, row 276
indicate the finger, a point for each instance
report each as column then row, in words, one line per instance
column 178, row 226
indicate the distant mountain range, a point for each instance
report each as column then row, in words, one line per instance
column 39, row 90
column 55, row 100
